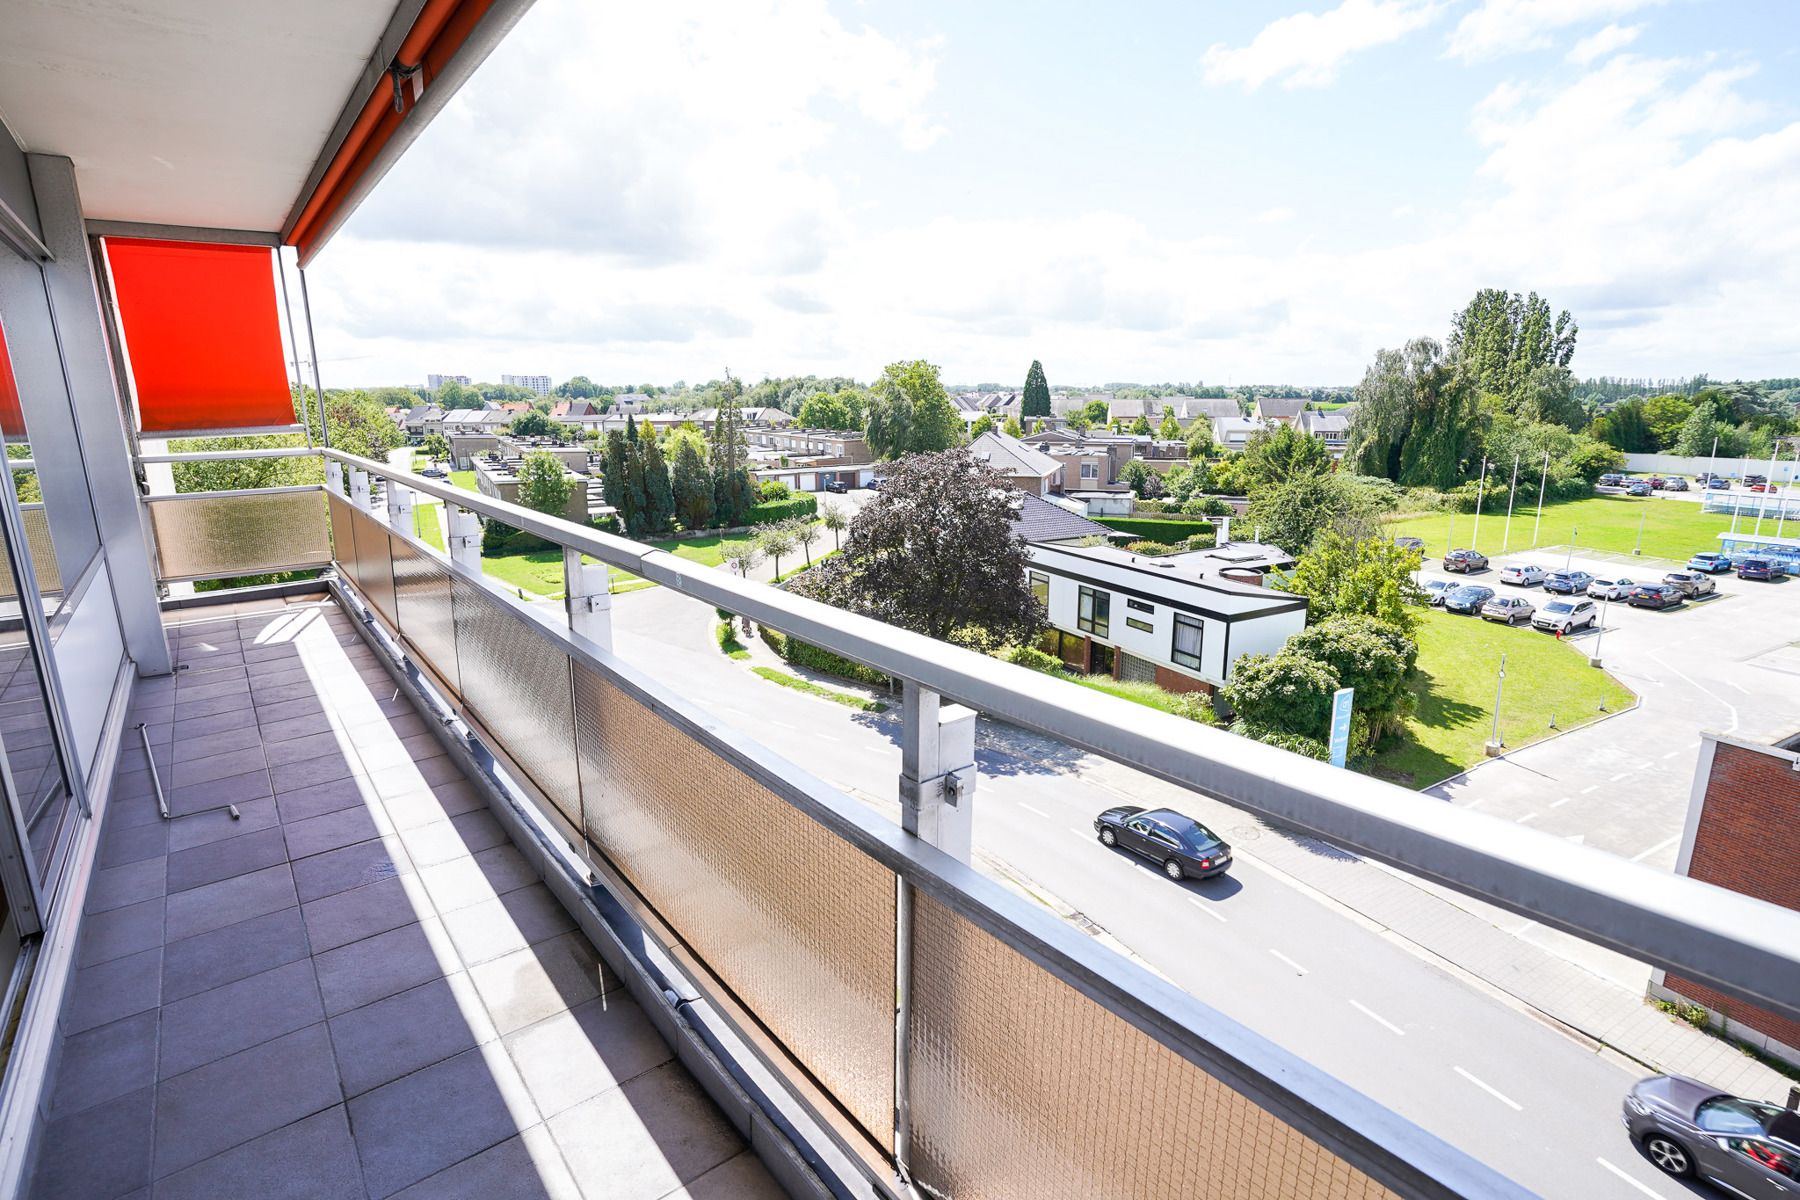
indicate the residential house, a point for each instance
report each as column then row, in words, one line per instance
column 1029, row 468
column 1284, row 409
column 1332, row 428
column 1090, row 462
column 1233, row 433
column 498, row 476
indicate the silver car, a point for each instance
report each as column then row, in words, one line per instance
column 1610, row 589
column 1686, row 1127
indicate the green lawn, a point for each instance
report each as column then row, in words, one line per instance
column 1672, row 529
column 464, row 480
column 427, row 526
column 710, row 551
column 1459, row 658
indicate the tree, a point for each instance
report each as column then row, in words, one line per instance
column 1143, row 481
column 1095, row 412
column 1293, row 513
column 1698, row 431
column 1416, row 418
column 659, row 496
column 807, row 534
column 776, row 540
column 1012, row 428
column 733, row 493
column 451, row 394
column 543, row 484
column 436, row 447
column 1341, row 577
column 1170, row 429
column 1627, row 427
column 936, row 552
column 1200, row 440
column 820, row 411
column 834, row 518
column 1141, row 426
column 1035, row 402
column 1282, row 694
column 615, row 470
column 985, row 423
column 532, row 424
column 1511, row 348
column 693, row 487
column 742, row 558
column 1371, row 656
column 578, row 388
column 636, row 510
column 910, row 412
column 1278, row 454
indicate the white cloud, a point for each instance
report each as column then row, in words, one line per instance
column 1306, row 49
column 1603, row 42
column 1275, row 216
column 1500, row 27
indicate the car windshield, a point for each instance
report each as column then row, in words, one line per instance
column 1728, row 1114
column 1187, row 831
column 1559, row 607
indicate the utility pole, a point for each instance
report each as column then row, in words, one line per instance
column 1594, row 658
column 1570, row 556
column 1511, row 491
column 1768, row 487
column 1480, row 492
column 1781, row 518
column 1495, row 745
column 1543, row 478
column 1639, row 548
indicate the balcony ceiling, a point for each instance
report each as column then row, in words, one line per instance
column 206, row 113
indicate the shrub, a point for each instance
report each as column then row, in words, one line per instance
column 1201, row 541
column 1153, row 549
column 1157, row 530
column 1032, row 657
column 1207, row 506
column 1151, row 506
column 1311, row 747
column 770, row 511
column 773, row 489
column 805, row 654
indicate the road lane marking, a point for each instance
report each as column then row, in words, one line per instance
column 826, row 737
column 1619, row 776
column 1530, row 816
column 785, row 725
column 1560, row 803
column 1084, row 836
column 1670, row 754
column 1490, row 1090
column 1376, row 1017
column 1592, row 787
column 1206, row 908
column 1628, row 1179
column 1035, row 811
column 1662, row 845
column 1298, row 969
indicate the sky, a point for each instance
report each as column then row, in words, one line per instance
column 1204, row 191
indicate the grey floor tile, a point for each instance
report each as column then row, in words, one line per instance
column 527, row 1167
column 216, row 905
column 475, row 1101
column 228, row 1102
column 199, row 829
column 122, row 810
column 458, row 837
column 203, row 688
column 417, row 749
column 512, row 922
column 243, row 717
column 313, row 745
column 109, row 991
column 594, row 1047
column 350, row 867
column 98, row 1154
column 189, row 706
column 226, row 859
column 105, row 1063
column 121, row 931
column 293, row 776
column 200, row 964
column 362, row 912
column 133, row 843
column 188, row 801
column 278, row 686
column 319, row 799
column 478, row 878
column 406, row 1032
column 742, row 1177
column 645, row 1139
column 218, row 766
column 312, row 1159
column 115, row 887
column 288, row 728
column 208, row 745
column 368, row 970
column 282, row 710
column 211, row 1025
column 345, row 827
column 524, row 987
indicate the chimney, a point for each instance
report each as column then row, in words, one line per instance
column 1223, row 525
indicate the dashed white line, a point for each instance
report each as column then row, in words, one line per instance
column 1298, row 969
column 1592, row 787
column 1628, row 1179
column 1560, row 803
column 1082, row 834
column 1496, row 1093
column 1670, row 754
column 826, row 737
column 785, row 725
column 1376, row 1017
column 1619, row 776
column 1530, row 816
column 1206, row 908
column 1662, row 845
column 1034, row 811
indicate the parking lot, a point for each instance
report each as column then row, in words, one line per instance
column 1728, row 662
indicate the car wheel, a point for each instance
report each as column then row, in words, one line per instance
column 1669, row 1156
column 1108, row 837
column 1173, row 870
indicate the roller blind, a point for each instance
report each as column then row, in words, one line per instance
column 202, row 334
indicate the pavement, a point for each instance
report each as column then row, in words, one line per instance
column 1444, row 1009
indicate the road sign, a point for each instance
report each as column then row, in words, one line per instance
column 1340, row 725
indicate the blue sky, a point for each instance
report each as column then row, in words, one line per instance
column 1227, row 192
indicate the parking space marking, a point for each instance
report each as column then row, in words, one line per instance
column 1560, row 803
column 1662, row 845
column 1034, row 811
column 1672, row 754
column 826, row 737
column 1376, row 1017
column 785, row 725
column 1206, row 908
column 1298, row 969
column 1628, row 1179
column 1619, row 776
column 1078, row 833
column 1592, row 787
column 1496, row 1093
column 1530, row 816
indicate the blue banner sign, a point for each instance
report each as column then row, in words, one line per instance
column 1340, row 725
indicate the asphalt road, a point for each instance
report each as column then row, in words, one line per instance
column 1457, row 1060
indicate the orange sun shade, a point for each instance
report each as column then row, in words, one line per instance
column 12, row 418
column 202, row 335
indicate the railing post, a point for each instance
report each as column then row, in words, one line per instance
column 463, row 536
column 587, row 596
column 359, row 488
column 937, row 770
column 400, row 508
column 334, row 477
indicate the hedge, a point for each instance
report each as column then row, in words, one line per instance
column 805, row 654
column 771, row 511
column 1155, row 530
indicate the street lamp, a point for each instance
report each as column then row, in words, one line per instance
column 1594, row 658
column 1570, row 556
column 1495, row 745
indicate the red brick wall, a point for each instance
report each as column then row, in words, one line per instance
column 1175, row 681
column 1744, row 842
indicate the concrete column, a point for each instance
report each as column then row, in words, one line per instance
column 463, row 536
column 937, row 771
column 587, row 598
column 400, row 508
column 359, row 489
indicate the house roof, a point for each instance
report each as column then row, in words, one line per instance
column 1224, row 427
column 1040, row 520
column 1279, row 408
column 1013, row 456
column 1323, row 422
column 1188, row 407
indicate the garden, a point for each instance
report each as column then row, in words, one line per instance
column 1671, row 529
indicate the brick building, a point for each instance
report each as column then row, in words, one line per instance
column 1739, row 835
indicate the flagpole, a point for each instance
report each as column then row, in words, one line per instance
column 1542, row 480
column 1511, row 491
column 1480, row 491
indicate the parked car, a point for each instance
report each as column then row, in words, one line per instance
column 1468, row 599
column 1689, row 1128
column 1637, row 487
column 875, row 484
column 1765, row 569
column 1567, row 583
column 1524, row 575
column 1678, row 485
column 1655, row 595
column 1410, row 543
column 1437, row 589
column 435, row 473
column 1184, row 847
column 1611, row 480
column 1565, row 616
column 1465, row 561
column 1719, row 485
column 1712, row 562
column 1754, row 480
column 1658, row 483
column 838, row 486
column 1691, row 583
column 1510, row 610
column 1610, row 589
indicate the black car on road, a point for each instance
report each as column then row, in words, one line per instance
column 1180, row 845
column 1465, row 561
column 838, row 486
column 1655, row 595
column 1688, row 1128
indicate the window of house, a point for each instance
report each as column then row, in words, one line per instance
column 1040, row 587
column 1090, row 470
column 1186, row 648
column 1140, row 626
column 1094, row 614
column 1140, row 606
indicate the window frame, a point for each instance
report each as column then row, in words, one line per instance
column 1176, row 653
column 1037, row 580
column 1093, row 611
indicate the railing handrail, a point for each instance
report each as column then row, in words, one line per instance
column 1745, row 947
